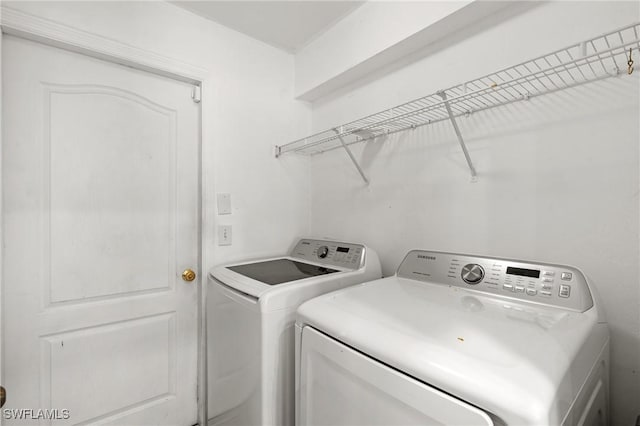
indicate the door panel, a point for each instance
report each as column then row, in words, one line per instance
column 120, row 184
column 100, row 217
column 115, row 356
column 339, row 386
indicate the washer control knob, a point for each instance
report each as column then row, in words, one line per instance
column 323, row 252
column 472, row 273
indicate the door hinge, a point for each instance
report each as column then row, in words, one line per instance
column 196, row 94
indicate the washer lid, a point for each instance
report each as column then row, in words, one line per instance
column 257, row 278
column 279, row 271
column 512, row 359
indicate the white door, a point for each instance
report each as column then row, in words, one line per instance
column 100, row 218
column 340, row 386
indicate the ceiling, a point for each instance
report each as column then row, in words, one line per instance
column 288, row 25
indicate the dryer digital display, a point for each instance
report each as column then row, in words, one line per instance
column 534, row 273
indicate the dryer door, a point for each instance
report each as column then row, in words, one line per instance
column 340, row 386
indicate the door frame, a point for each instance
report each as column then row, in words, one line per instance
column 27, row 26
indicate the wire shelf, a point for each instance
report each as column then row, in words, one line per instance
column 595, row 59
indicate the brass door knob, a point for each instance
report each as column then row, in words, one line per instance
column 188, row 275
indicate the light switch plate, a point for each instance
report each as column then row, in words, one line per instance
column 224, row 203
column 224, row 235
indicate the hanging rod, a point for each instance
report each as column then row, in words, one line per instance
column 591, row 60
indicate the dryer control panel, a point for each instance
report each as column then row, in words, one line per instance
column 330, row 253
column 548, row 284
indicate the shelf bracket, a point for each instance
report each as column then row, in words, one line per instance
column 353, row 159
column 443, row 95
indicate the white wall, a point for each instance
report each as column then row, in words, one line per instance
column 558, row 175
column 252, row 110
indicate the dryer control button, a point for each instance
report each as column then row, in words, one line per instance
column 566, row 276
column 565, row 290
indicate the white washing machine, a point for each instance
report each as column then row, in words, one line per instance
column 252, row 308
column 457, row 340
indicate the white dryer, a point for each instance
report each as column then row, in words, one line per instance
column 251, row 310
column 457, row 340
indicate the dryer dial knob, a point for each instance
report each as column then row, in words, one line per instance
column 323, row 252
column 472, row 273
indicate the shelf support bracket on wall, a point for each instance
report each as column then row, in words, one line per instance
column 443, row 95
column 353, row 159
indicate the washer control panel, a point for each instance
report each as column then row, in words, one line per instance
column 554, row 285
column 330, row 253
